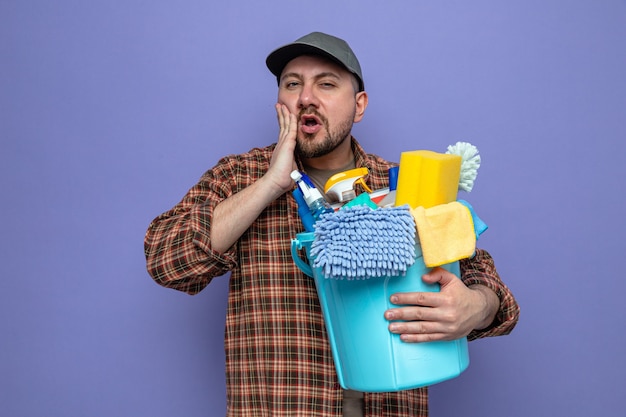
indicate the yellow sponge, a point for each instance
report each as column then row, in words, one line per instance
column 427, row 179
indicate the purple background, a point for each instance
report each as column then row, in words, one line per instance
column 111, row 110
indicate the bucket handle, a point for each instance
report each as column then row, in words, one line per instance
column 304, row 267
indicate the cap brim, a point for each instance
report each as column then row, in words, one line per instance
column 278, row 60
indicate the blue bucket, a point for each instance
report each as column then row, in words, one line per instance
column 367, row 356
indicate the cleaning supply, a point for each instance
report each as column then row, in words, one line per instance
column 446, row 233
column 470, row 162
column 360, row 243
column 363, row 199
column 303, row 210
column 378, row 195
column 313, row 198
column 427, row 178
column 341, row 185
column 367, row 356
column 357, row 267
column 480, row 226
column 390, row 199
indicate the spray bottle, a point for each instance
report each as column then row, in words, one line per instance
column 341, row 185
column 303, row 210
column 313, row 198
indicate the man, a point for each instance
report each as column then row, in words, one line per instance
column 241, row 216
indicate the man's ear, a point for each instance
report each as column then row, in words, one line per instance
column 361, row 105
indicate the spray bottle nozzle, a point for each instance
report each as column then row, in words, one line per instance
column 341, row 185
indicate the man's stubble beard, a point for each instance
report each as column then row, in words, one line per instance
column 307, row 148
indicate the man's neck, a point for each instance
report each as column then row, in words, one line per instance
column 337, row 159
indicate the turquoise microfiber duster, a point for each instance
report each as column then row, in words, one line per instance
column 360, row 243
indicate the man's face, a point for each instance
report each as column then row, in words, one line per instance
column 323, row 97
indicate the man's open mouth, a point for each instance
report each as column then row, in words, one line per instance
column 309, row 120
column 310, row 124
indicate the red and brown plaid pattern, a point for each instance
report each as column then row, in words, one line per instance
column 278, row 360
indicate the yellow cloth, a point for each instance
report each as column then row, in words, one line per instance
column 446, row 233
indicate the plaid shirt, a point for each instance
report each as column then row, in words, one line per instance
column 278, row 359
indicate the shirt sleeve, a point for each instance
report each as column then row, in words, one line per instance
column 177, row 244
column 481, row 270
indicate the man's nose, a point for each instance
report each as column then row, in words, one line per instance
column 307, row 97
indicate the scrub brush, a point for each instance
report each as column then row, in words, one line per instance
column 470, row 162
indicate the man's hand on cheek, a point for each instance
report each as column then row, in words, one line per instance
column 283, row 161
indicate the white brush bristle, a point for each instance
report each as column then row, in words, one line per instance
column 470, row 162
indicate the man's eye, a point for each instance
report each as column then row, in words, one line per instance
column 291, row 84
